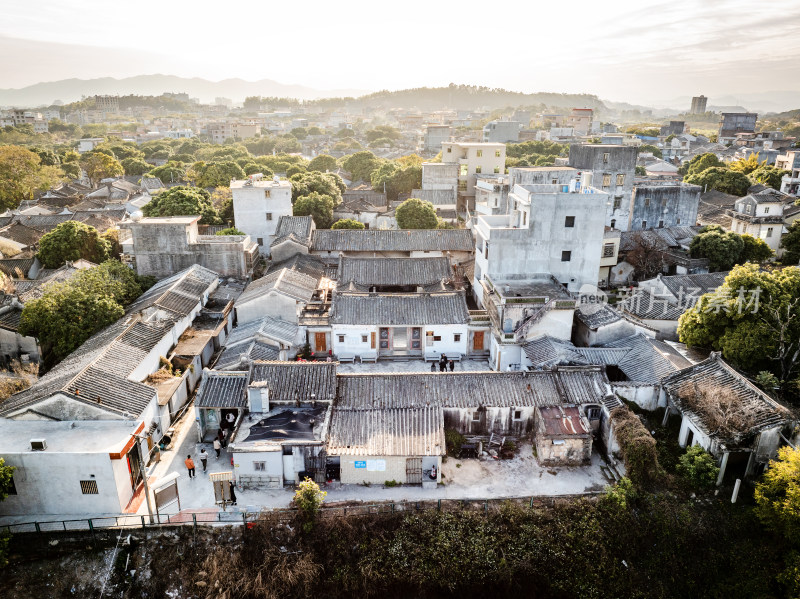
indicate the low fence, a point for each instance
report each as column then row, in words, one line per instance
column 244, row 517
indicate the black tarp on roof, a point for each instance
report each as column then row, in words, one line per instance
column 292, row 423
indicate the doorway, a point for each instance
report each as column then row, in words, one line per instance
column 134, row 466
column 229, row 418
column 320, row 343
column 477, row 341
column 400, row 339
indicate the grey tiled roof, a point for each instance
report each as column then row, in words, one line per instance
column 716, row 373
column 393, row 271
column 241, row 355
column 267, row 327
column 449, row 307
column 546, row 351
column 292, row 381
column 648, row 360
column 288, row 282
column 222, row 390
column 696, row 285
column 387, row 432
column 179, row 293
column 16, row 268
column 603, row 316
column 575, row 385
column 302, row 263
column 644, row 304
column 375, row 240
column 297, row 228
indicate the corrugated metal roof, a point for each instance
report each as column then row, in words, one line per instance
column 576, row 385
column 387, row 432
column 222, row 390
column 563, row 421
column 291, row 381
column 393, row 271
column 412, row 309
column 375, row 240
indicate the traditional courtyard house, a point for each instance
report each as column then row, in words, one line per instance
column 723, row 412
column 282, row 439
column 655, row 313
column 221, row 401
column 112, row 385
column 267, row 338
column 601, row 324
column 563, row 436
column 394, row 274
column 281, row 294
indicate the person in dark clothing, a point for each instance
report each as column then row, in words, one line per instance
column 233, row 493
column 452, row 365
column 442, row 366
column 433, row 366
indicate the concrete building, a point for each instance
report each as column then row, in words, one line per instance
column 439, row 187
column 732, row 123
column 491, row 194
column 164, row 246
column 501, row 131
column 258, row 205
column 613, row 168
column 790, row 161
column 551, row 229
column 434, row 136
column 107, row 104
column 657, row 204
column 473, row 159
column 219, row 133
column 580, row 119
column 674, row 128
column 761, row 215
column 698, row 104
column 563, row 436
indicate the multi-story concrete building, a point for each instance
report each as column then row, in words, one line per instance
column 220, row 132
column 553, row 230
column 790, row 161
column 732, row 123
column 613, row 168
column 439, row 186
column 761, row 215
column 164, row 246
column 657, row 204
column 674, row 128
column 491, row 194
column 434, row 136
column 258, row 205
column 501, row 131
column 107, row 104
column 580, row 119
column 699, row 104
column 473, row 159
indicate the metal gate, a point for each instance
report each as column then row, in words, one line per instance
column 315, row 464
column 414, row 471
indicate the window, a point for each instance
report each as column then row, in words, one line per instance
column 449, row 150
column 497, row 153
column 456, row 337
column 605, row 157
column 644, row 224
column 89, row 487
column 260, row 241
column 486, row 251
column 464, row 171
column 766, row 209
column 664, row 202
column 769, row 232
column 266, row 193
column 593, row 413
column 606, row 180
column 269, row 215
column 12, row 489
column 341, row 338
column 661, row 224
column 495, row 203
column 678, row 221
column 260, row 466
column 747, row 209
column 517, row 414
column 617, row 202
column 287, row 450
column 646, row 202
column 497, row 170
column 569, row 221
column 364, row 338
column 554, row 181
column 620, row 179
column 613, row 223
column 437, row 337
column 566, row 256
column 479, row 153
column 608, row 250
column 524, row 219
column 476, row 416
column 478, row 170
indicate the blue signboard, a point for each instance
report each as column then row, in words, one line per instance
column 361, row 464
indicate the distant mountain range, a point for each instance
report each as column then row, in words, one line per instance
column 71, row 90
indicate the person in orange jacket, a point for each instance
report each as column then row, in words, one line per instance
column 189, row 465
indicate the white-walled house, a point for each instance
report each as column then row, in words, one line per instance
column 105, row 382
column 258, row 205
column 281, row 294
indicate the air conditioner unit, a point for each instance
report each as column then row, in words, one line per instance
column 38, row 444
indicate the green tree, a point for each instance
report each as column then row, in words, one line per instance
column 747, row 165
column 323, row 163
column 169, row 172
column 347, row 223
column 299, row 132
column 791, row 244
column 328, row 184
column 416, row 214
column 721, row 179
column 135, row 166
column 222, row 200
column 768, row 175
column 318, row 205
column 752, row 319
column 654, row 150
column 700, row 163
column 183, row 201
column 6, row 475
column 382, row 132
column 71, row 241
column 777, row 495
column 396, row 179
column 22, row 174
column 754, row 250
column 721, row 248
column 230, row 231
column 216, row 174
column 698, row 467
column 361, row 165
column 99, row 165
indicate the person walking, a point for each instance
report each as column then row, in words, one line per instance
column 217, row 446
column 225, row 433
column 233, row 492
column 204, row 458
column 452, row 365
column 189, row 465
column 433, row 366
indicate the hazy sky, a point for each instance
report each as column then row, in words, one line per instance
column 638, row 52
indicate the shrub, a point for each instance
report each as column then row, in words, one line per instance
column 622, row 493
column 307, row 499
column 637, row 446
column 453, row 440
column 698, row 467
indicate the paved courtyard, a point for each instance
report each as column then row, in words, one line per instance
column 409, row 366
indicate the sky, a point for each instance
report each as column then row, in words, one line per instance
column 649, row 52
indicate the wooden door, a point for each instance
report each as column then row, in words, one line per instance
column 477, row 341
column 372, row 340
column 320, row 345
